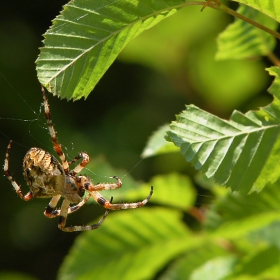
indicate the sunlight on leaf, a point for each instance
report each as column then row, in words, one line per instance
column 158, row 145
column 247, row 216
column 269, row 234
column 271, row 170
column 243, row 227
column 235, row 207
column 239, row 153
column 219, row 268
column 262, row 263
column 242, row 40
column 270, row 8
column 275, row 87
column 193, row 260
column 233, row 152
column 86, row 38
column 128, row 241
column 172, row 190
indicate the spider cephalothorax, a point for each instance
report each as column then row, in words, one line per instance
column 47, row 177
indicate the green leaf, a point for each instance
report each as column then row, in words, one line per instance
column 270, row 8
column 127, row 246
column 271, row 170
column 86, row 38
column 219, row 268
column 241, row 153
column 167, row 189
column 235, row 207
column 275, row 87
column 242, row 40
column 236, row 216
column 157, row 144
column 269, row 234
column 263, row 262
column 242, row 227
column 193, row 260
column 233, row 152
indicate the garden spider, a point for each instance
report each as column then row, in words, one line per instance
column 47, row 177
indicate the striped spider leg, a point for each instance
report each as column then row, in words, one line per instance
column 48, row 178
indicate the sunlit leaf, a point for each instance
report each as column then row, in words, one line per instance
column 269, row 234
column 242, row 227
column 270, row 8
column 193, row 260
column 158, row 145
column 235, row 207
column 242, row 40
column 86, row 38
column 219, row 268
column 232, row 152
column 262, row 264
column 270, row 172
column 275, row 87
column 173, row 190
column 235, row 215
column 240, row 153
column 128, row 242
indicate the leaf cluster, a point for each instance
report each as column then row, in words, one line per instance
column 236, row 238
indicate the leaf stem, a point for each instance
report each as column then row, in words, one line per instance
column 217, row 5
column 273, row 58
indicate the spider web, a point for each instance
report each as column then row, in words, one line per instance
column 34, row 133
column 8, row 122
column 100, row 170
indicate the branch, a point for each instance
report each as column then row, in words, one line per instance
column 217, row 5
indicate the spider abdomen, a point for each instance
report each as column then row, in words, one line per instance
column 71, row 191
column 43, row 173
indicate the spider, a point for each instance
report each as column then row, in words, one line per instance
column 48, row 178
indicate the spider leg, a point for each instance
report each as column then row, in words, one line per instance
column 118, row 206
column 51, row 212
column 56, row 145
column 78, row 168
column 17, row 187
column 103, row 186
column 63, row 217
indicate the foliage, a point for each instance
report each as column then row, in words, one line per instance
column 86, row 38
column 241, row 40
column 138, row 244
column 234, row 152
column 232, row 241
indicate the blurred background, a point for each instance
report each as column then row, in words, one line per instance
column 168, row 66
